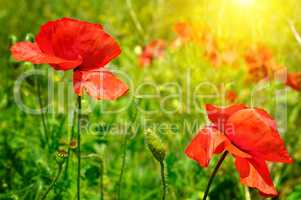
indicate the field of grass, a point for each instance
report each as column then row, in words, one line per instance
column 166, row 97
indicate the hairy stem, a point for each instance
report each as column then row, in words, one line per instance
column 163, row 179
column 214, row 173
column 53, row 182
column 79, row 101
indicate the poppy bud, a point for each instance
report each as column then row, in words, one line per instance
column 12, row 39
column 61, row 155
column 73, row 144
column 29, row 37
column 155, row 145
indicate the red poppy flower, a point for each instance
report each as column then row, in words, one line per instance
column 211, row 49
column 250, row 135
column 294, row 80
column 184, row 32
column 70, row 44
column 153, row 50
column 231, row 96
column 260, row 62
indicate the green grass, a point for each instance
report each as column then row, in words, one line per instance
column 28, row 156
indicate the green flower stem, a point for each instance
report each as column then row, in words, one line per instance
column 163, row 179
column 247, row 193
column 53, row 182
column 134, row 118
column 101, row 179
column 43, row 117
column 214, row 173
column 69, row 148
column 122, row 166
column 79, row 101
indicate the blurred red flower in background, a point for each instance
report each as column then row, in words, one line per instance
column 294, row 80
column 70, row 44
column 260, row 62
column 250, row 135
column 211, row 49
column 186, row 32
column 153, row 50
column 231, row 96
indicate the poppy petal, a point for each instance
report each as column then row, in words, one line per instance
column 242, row 166
column 207, row 142
column 258, row 177
column 99, row 84
column 218, row 115
column 235, row 151
column 69, row 38
column 254, row 131
column 27, row 51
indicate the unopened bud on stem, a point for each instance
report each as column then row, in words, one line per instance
column 61, row 156
column 155, row 145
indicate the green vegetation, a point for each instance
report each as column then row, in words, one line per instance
column 116, row 161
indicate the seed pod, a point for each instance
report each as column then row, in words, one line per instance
column 73, row 144
column 61, row 155
column 155, row 145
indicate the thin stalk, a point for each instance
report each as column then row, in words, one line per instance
column 53, row 182
column 101, row 179
column 43, row 118
column 135, row 18
column 247, row 193
column 124, row 151
column 122, row 165
column 79, row 101
column 214, row 173
column 69, row 148
column 163, row 179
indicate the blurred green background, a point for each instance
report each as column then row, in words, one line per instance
column 28, row 153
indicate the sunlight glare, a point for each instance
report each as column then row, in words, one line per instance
column 245, row 2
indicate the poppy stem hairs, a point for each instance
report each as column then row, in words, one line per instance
column 214, row 173
column 79, row 103
column 163, row 179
